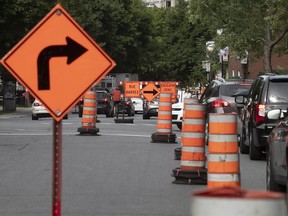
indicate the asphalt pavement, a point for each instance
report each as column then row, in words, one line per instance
column 20, row 112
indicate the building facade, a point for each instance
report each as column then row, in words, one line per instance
column 160, row 3
column 255, row 66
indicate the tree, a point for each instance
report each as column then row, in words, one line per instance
column 256, row 26
column 184, row 44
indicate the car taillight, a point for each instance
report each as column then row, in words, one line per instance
column 220, row 103
column 37, row 104
column 260, row 113
column 104, row 100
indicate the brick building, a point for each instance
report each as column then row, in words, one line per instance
column 256, row 66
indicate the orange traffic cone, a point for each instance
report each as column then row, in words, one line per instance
column 193, row 158
column 89, row 114
column 164, row 125
column 187, row 101
column 223, row 157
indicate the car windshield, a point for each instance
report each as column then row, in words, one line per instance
column 100, row 95
column 278, row 92
column 231, row 90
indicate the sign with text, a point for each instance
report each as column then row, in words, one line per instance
column 132, row 89
column 58, row 62
column 169, row 87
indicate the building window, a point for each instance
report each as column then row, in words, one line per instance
column 168, row 3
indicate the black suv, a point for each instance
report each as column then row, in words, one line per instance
column 267, row 92
column 104, row 104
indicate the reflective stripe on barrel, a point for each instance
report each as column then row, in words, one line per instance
column 195, row 111
column 222, row 179
column 164, row 123
column 222, row 123
column 193, row 125
column 223, row 143
column 223, row 163
column 193, row 139
column 192, row 158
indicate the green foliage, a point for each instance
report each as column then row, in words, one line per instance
column 158, row 44
column 256, row 26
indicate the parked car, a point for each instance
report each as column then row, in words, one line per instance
column 138, row 103
column 219, row 96
column 276, row 157
column 177, row 114
column 267, row 92
column 39, row 111
column 103, row 102
column 150, row 108
column 128, row 106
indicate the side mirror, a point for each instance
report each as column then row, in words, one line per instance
column 240, row 99
column 276, row 114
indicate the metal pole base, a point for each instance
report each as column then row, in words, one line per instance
column 189, row 176
column 178, row 152
column 163, row 138
column 129, row 121
column 88, row 131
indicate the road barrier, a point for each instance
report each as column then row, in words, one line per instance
column 193, row 158
column 223, row 157
column 178, row 151
column 227, row 201
column 89, row 115
column 118, row 118
column 164, row 124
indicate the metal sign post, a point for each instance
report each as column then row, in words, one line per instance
column 57, row 168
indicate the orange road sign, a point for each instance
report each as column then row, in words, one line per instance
column 132, row 89
column 58, row 62
column 169, row 87
column 150, row 91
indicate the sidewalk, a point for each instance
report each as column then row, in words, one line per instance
column 20, row 112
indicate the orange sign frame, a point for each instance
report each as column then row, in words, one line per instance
column 58, row 62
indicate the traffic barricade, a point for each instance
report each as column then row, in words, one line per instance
column 223, row 157
column 193, row 159
column 164, row 124
column 228, row 201
column 120, row 115
column 88, row 126
column 178, row 150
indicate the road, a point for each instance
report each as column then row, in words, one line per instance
column 119, row 172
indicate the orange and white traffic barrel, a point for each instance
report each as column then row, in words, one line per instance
column 164, row 123
column 89, row 115
column 223, row 158
column 193, row 157
column 187, row 101
column 228, row 201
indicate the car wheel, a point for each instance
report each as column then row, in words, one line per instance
column 146, row 116
column 34, row 117
column 254, row 151
column 271, row 184
column 244, row 149
column 179, row 125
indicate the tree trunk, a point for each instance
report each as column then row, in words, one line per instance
column 267, row 51
column 267, row 58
